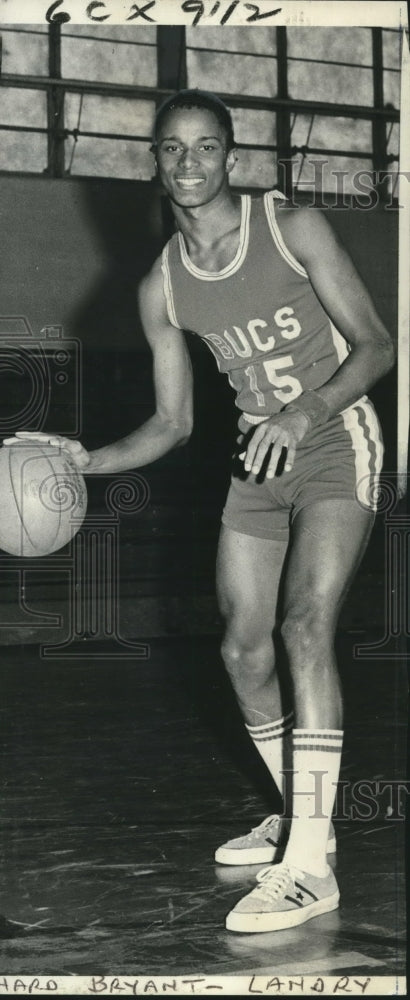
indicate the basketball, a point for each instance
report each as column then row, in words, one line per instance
column 43, row 499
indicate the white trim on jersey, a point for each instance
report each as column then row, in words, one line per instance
column 364, row 434
column 277, row 237
column 240, row 253
column 169, row 298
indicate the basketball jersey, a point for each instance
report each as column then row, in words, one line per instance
column 259, row 315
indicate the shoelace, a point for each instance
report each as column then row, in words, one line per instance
column 273, row 820
column 275, row 879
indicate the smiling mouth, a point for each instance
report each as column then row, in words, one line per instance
column 189, row 182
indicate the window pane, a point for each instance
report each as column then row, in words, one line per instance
column 391, row 49
column 25, row 49
column 109, row 158
column 336, row 84
column 23, row 151
column 109, row 114
column 323, row 174
column 129, row 33
column 234, row 74
column 332, row 133
column 254, row 169
column 254, row 126
column 353, row 45
column 23, row 107
column 391, row 88
column 107, row 59
column 233, row 39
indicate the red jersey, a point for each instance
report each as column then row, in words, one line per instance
column 259, row 315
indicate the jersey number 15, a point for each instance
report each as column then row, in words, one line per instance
column 287, row 387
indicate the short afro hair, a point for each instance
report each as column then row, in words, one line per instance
column 196, row 99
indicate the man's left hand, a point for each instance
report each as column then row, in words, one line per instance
column 284, row 430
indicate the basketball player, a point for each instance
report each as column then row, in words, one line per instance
column 279, row 303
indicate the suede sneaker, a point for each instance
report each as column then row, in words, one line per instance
column 260, row 846
column 285, row 897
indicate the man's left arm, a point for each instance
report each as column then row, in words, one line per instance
column 346, row 301
column 349, row 306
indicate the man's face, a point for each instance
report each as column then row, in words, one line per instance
column 192, row 157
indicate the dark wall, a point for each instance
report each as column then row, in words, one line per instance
column 73, row 252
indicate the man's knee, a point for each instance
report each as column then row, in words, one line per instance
column 247, row 656
column 307, row 629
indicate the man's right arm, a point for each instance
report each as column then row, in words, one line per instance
column 171, row 424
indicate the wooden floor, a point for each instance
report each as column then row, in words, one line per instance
column 119, row 780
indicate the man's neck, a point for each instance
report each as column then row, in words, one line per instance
column 206, row 224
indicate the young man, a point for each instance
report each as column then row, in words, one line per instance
column 279, row 303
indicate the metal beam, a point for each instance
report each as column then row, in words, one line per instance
column 283, row 130
column 172, row 76
column 171, row 56
column 379, row 134
column 366, row 112
column 55, row 105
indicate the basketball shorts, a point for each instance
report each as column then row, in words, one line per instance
column 341, row 459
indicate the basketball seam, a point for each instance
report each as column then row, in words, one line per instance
column 31, row 540
column 16, row 502
column 53, row 473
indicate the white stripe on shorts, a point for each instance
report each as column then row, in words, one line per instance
column 361, row 423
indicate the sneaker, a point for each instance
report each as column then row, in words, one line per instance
column 285, row 897
column 260, row 846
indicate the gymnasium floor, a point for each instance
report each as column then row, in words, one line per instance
column 120, row 778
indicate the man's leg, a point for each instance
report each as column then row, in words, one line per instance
column 249, row 571
column 328, row 541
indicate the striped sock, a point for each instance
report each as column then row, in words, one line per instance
column 318, row 751
column 273, row 741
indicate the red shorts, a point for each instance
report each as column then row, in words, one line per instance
column 341, row 459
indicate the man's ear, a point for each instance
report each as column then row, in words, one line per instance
column 231, row 160
column 153, row 150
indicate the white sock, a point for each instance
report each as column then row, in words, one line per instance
column 273, row 741
column 318, row 751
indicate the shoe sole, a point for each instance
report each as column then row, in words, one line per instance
column 255, row 855
column 258, row 923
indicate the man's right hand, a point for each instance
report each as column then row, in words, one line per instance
column 78, row 454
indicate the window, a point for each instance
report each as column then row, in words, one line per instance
column 114, row 54
column 243, row 62
column 296, row 94
column 21, row 149
column 114, row 157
